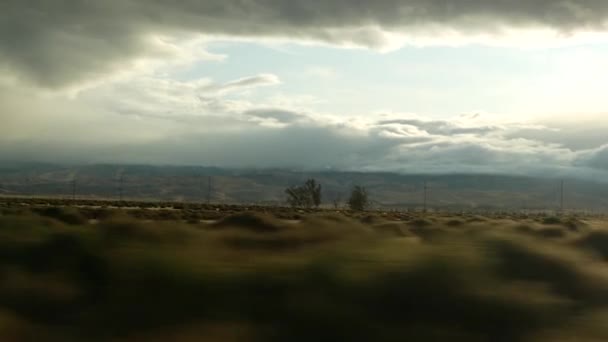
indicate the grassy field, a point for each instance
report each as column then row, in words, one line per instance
column 75, row 274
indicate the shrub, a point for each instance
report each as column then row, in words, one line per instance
column 551, row 220
column 64, row 214
column 249, row 221
column 596, row 242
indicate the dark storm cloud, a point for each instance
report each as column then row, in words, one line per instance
column 54, row 43
column 302, row 146
column 597, row 158
column 308, row 146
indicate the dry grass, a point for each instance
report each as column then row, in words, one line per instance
column 325, row 277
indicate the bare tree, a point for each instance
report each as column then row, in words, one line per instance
column 298, row 196
column 306, row 196
column 314, row 190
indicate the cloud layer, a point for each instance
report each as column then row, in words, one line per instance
column 57, row 43
column 126, row 109
column 159, row 121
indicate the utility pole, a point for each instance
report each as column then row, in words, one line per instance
column 425, row 196
column 120, row 188
column 200, row 187
column 209, row 190
column 74, row 189
column 561, row 200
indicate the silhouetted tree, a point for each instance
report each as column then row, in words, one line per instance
column 359, row 199
column 314, row 190
column 298, row 196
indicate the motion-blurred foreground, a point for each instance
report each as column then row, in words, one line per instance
column 322, row 277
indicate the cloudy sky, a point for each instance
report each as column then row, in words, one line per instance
column 394, row 85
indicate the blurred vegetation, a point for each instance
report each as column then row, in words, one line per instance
column 304, row 196
column 359, row 199
column 72, row 274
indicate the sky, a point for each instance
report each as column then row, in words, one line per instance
column 388, row 85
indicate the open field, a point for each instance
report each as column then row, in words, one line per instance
column 196, row 211
column 98, row 273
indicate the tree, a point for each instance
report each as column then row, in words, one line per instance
column 305, row 196
column 298, row 196
column 314, row 190
column 359, row 199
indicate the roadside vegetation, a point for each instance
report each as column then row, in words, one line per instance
column 325, row 276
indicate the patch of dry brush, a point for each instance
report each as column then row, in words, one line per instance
column 325, row 277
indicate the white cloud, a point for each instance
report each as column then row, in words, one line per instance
column 250, row 82
column 149, row 96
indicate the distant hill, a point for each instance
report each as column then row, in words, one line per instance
column 248, row 186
